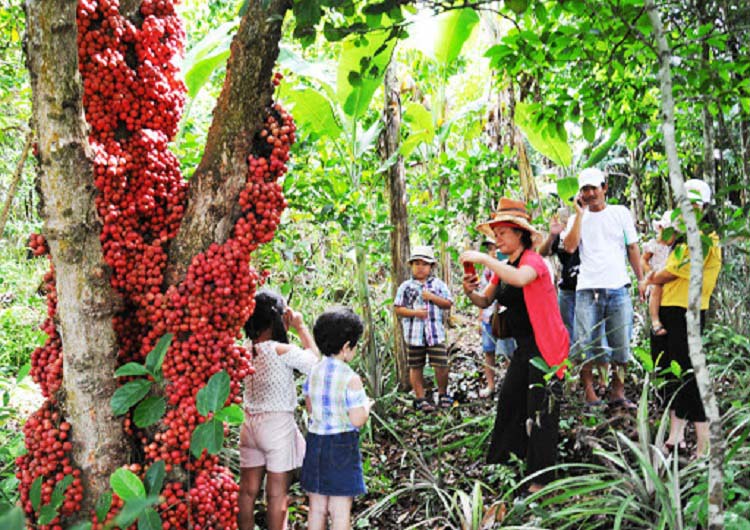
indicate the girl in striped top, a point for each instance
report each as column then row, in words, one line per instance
column 338, row 407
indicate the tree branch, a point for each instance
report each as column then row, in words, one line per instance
column 212, row 206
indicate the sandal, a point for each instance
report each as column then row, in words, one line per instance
column 658, row 330
column 423, row 405
column 446, row 401
column 623, row 403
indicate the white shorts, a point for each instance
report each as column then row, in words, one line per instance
column 271, row 440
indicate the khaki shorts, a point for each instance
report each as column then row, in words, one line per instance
column 271, row 440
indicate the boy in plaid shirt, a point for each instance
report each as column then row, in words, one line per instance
column 420, row 302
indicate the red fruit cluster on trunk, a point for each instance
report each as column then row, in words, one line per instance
column 133, row 100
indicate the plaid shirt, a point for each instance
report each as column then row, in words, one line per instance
column 330, row 399
column 421, row 331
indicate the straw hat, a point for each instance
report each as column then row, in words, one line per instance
column 508, row 211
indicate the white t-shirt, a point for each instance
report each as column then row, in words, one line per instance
column 271, row 388
column 605, row 236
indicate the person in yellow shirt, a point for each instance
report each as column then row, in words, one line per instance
column 686, row 403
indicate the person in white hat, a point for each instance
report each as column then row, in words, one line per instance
column 606, row 237
column 681, row 393
column 420, row 302
column 654, row 258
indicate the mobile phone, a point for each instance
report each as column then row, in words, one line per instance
column 469, row 268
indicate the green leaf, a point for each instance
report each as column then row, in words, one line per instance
column 127, row 485
column 321, row 72
column 133, row 509
column 602, row 149
column 131, row 369
column 58, row 494
column 372, row 57
column 313, row 112
column 366, row 141
column 103, row 504
column 13, row 519
column 567, row 188
column 549, row 141
column 23, row 372
column 517, row 6
column 149, row 411
column 150, row 520
column 35, row 493
column 209, row 436
column 83, row 525
column 589, row 131
column 203, row 59
column 155, row 357
column 155, row 477
column 128, row 395
column 212, row 397
column 540, row 364
column 454, row 29
column 47, row 514
column 233, row 415
column 676, row 369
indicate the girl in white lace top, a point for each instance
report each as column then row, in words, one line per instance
column 270, row 441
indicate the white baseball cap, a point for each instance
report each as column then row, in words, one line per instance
column 591, row 176
column 665, row 221
column 698, row 191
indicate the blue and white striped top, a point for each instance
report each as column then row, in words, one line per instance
column 330, row 399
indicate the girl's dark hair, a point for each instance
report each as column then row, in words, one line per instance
column 335, row 327
column 268, row 313
column 525, row 237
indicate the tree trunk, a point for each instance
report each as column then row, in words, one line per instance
column 14, row 182
column 212, row 207
column 86, row 303
column 396, row 188
column 709, row 166
column 697, row 357
column 528, row 184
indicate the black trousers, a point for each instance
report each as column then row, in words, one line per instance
column 673, row 346
column 524, row 396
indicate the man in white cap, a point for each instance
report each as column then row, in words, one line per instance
column 605, row 236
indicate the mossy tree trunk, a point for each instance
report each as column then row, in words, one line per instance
column 86, row 302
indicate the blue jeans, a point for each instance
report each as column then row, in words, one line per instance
column 567, row 301
column 603, row 313
column 490, row 344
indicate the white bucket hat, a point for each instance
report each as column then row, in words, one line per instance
column 423, row 252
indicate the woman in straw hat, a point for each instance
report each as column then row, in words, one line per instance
column 528, row 410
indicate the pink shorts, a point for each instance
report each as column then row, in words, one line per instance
column 271, row 440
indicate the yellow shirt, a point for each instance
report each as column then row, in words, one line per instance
column 676, row 292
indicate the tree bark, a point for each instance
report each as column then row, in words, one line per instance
column 212, row 207
column 86, row 303
column 396, row 189
column 14, row 182
column 697, row 357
